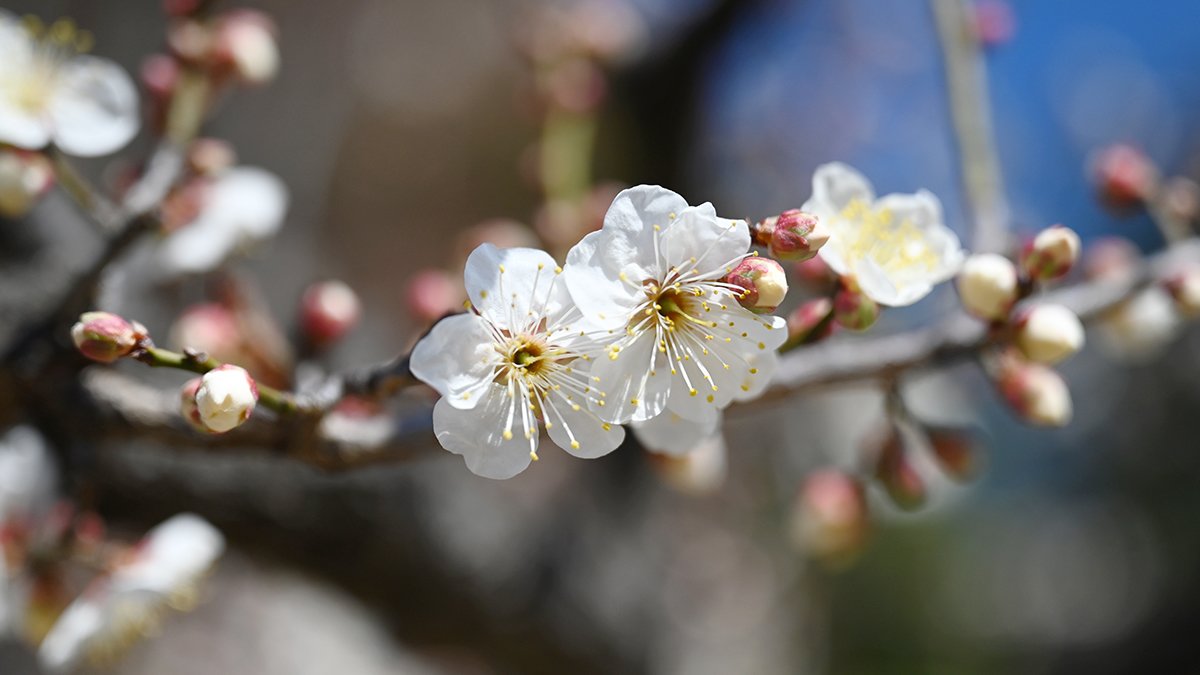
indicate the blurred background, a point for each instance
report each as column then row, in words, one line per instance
column 399, row 126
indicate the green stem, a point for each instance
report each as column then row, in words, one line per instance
column 566, row 154
column 281, row 402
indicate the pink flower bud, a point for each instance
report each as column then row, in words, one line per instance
column 958, row 451
column 244, row 43
column 897, row 475
column 210, row 156
column 988, row 286
column 105, row 337
column 1035, row 392
column 763, row 281
column 225, row 398
column 793, row 235
column 1051, row 254
column 328, row 311
column 815, row 272
column 994, row 22
column 1124, row 176
column 187, row 404
column 431, row 294
column 1048, row 333
column 854, row 310
column 809, row 322
column 24, row 178
column 160, row 75
column 1184, row 287
column 830, row 519
column 210, row 328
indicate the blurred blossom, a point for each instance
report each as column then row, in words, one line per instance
column 328, row 310
column 51, row 93
column 1140, row 328
column 994, row 22
column 670, row 434
column 28, row 476
column 499, row 232
column 433, row 293
column 830, row 521
column 1111, row 259
column 24, row 178
column 163, row 570
column 211, row 328
column 700, row 470
column 1125, row 177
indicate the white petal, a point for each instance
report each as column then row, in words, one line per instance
column 94, row 107
column 244, row 205
column 477, row 435
column 833, row 252
column 629, row 223
column 456, row 358
column 589, row 432
column 16, row 47
column 923, row 209
column 835, row 185
column 671, row 434
column 170, row 556
column 698, row 239
column 633, row 390
column 512, row 287
column 754, row 384
column 876, row 284
column 594, row 280
column 21, row 128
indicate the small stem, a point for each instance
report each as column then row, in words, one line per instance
column 98, row 208
column 281, row 402
column 1174, row 230
column 566, row 155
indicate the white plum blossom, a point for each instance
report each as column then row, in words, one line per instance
column 652, row 279
column 896, row 247
column 225, row 398
column 50, row 93
column 515, row 363
column 165, row 568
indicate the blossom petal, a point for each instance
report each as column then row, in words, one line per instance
column 753, row 384
column 635, row 384
column 245, row 205
column 588, row 430
column 94, row 107
column 698, row 239
column 21, row 128
column 457, row 358
column 629, row 224
column 835, row 185
column 512, row 287
column 605, row 291
column 876, row 284
column 671, row 434
column 477, row 435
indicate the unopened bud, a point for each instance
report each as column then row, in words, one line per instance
column 1111, row 259
column 225, row 398
column 830, row 519
column 1142, row 326
column 1051, row 254
column 854, row 310
column 1125, row 177
column 763, row 283
column 433, row 293
column 792, row 235
column 211, row 328
column 210, row 156
column 994, row 22
column 815, row 272
column 1184, row 287
column 1036, row 393
column 187, row 404
column 245, row 43
column 1181, row 199
column 1048, row 333
column 328, row 311
column 958, row 451
column 105, row 337
column 160, row 75
column 897, row 474
column 988, row 286
column 810, row 321
column 24, row 178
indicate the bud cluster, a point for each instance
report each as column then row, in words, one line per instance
column 792, row 235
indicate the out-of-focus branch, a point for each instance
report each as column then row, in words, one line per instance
column 966, row 88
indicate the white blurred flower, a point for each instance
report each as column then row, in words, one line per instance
column 1141, row 327
column 652, row 277
column 50, row 93
column 24, row 177
column 1049, row 333
column 670, row 434
column 27, row 474
column 701, row 471
column 163, row 570
column 896, row 247
column 225, row 398
column 515, row 363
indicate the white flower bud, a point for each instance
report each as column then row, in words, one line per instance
column 764, row 283
column 1049, row 333
column 1184, row 287
column 226, row 397
column 245, row 41
column 1051, row 254
column 1141, row 327
column 1036, row 393
column 987, row 285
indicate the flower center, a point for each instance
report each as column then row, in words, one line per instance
column 524, row 357
column 895, row 247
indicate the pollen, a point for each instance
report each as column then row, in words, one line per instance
column 574, row 445
column 507, row 434
column 606, row 426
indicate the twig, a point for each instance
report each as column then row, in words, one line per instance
column 966, row 88
column 280, row 401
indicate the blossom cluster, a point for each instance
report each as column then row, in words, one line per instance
column 660, row 319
